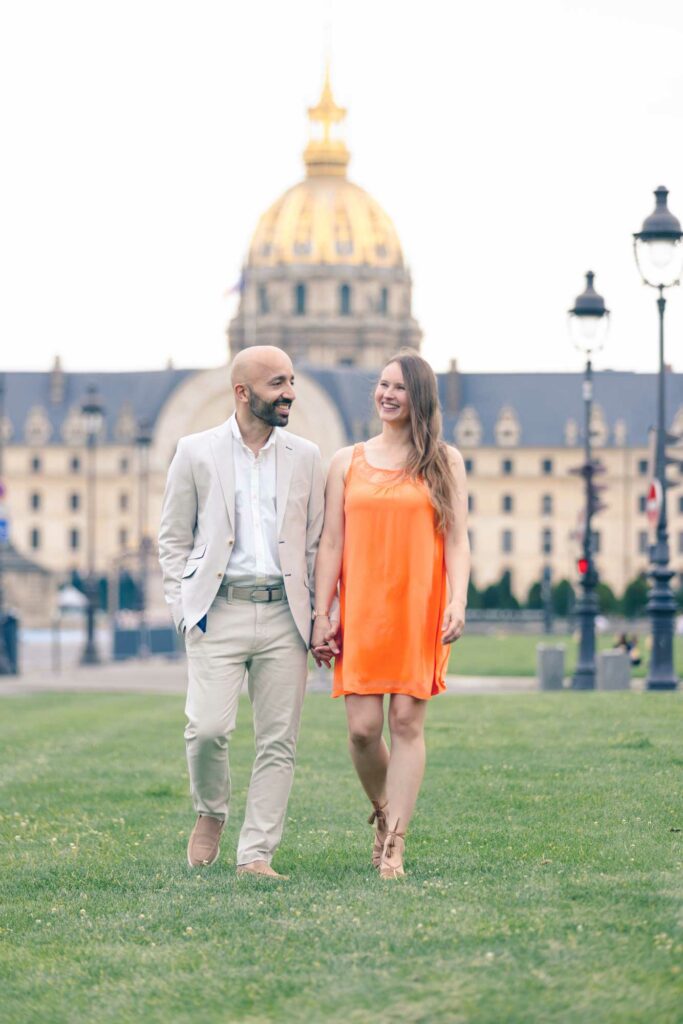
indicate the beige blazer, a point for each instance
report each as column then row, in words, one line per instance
column 197, row 527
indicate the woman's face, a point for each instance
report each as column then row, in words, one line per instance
column 391, row 396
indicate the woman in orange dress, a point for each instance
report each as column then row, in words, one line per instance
column 395, row 538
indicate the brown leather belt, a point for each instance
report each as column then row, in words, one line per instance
column 259, row 593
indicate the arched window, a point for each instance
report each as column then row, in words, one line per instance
column 345, row 300
column 300, row 299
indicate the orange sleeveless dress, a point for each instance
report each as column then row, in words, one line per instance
column 393, row 586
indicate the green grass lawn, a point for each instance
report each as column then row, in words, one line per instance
column 545, row 871
column 508, row 654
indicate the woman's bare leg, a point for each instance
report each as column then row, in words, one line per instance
column 369, row 752
column 407, row 758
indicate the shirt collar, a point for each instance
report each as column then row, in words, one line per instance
column 237, row 434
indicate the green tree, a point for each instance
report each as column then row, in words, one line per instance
column 607, row 599
column 474, row 597
column 635, row 597
column 563, row 597
column 534, row 598
column 507, row 598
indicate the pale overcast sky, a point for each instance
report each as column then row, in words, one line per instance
column 515, row 146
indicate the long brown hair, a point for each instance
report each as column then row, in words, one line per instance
column 429, row 456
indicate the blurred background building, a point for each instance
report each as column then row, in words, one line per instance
column 325, row 279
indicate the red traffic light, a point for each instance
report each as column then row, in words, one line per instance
column 582, row 564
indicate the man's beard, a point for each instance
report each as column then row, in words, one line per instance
column 266, row 411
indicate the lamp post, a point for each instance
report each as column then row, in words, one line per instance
column 659, row 257
column 143, row 442
column 588, row 322
column 92, row 412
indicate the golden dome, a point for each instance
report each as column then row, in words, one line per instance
column 325, row 218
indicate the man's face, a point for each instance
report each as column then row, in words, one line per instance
column 271, row 393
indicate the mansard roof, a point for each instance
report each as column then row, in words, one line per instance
column 142, row 392
column 543, row 403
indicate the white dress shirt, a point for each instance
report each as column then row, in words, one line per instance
column 255, row 553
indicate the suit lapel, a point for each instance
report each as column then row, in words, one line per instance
column 221, row 449
column 284, row 465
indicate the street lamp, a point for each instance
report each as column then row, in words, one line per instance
column 659, row 256
column 588, row 324
column 92, row 412
column 143, row 441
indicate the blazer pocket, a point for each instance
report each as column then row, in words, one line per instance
column 197, row 552
column 189, row 570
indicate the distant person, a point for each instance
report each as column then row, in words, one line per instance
column 629, row 645
column 240, row 524
column 395, row 534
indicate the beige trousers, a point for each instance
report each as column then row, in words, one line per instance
column 262, row 641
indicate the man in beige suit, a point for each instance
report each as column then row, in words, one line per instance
column 240, row 524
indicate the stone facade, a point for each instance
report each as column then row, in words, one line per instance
column 349, row 316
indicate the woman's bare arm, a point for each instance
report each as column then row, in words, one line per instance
column 457, row 553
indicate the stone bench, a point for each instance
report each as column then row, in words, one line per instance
column 550, row 666
column 613, row 671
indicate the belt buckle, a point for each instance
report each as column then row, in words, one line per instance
column 261, row 600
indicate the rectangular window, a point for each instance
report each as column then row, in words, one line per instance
column 469, row 465
column 384, row 301
column 596, row 542
column 124, row 465
column 35, row 502
column 470, row 537
column 34, row 539
column 642, row 467
column 506, row 467
column 547, row 542
column 642, row 542
column 507, row 503
column 74, row 502
column 642, row 502
column 74, row 539
column 300, row 299
column 75, row 464
column 547, row 467
column 470, row 503
column 547, row 505
column 123, row 538
column 680, row 506
column 506, row 541
column 123, row 502
column 36, row 464
column 680, row 544
column 263, row 306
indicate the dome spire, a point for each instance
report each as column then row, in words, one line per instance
column 325, row 155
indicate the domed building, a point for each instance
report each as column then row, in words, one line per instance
column 325, row 278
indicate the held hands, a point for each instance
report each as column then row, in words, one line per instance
column 325, row 641
column 453, row 623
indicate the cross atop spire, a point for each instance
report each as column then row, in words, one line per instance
column 325, row 154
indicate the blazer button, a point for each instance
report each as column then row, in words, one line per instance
column 219, row 575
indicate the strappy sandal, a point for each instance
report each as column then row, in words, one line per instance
column 379, row 819
column 391, row 864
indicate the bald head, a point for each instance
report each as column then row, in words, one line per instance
column 263, row 384
column 259, row 362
